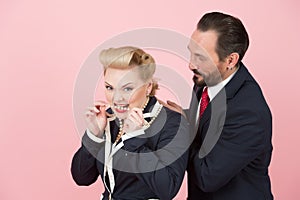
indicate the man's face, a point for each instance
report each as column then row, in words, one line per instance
column 204, row 60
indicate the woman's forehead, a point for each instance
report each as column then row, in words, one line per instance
column 120, row 77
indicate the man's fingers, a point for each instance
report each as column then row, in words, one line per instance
column 162, row 102
column 171, row 103
column 175, row 107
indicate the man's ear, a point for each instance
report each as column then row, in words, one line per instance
column 232, row 60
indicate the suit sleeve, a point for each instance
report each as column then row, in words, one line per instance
column 242, row 139
column 162, row 170
column 83, row 168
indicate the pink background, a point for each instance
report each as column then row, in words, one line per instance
column 44, row 43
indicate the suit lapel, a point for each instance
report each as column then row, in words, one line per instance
column 213, row 118
column 204, row 123
column 192, row 112
column 237, row 81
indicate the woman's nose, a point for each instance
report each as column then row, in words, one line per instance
column 118, row 96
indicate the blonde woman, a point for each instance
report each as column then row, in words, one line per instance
column 137, row 146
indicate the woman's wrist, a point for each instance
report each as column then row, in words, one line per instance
column 97, row 138
column 100, row 134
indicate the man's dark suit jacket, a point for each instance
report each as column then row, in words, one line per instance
column 231, row 151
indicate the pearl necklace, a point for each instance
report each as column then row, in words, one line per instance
column 121, row 132
column 147, row 124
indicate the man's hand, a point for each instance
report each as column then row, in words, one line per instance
column 172, row 106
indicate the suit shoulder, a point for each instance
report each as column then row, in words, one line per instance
column 173, row 114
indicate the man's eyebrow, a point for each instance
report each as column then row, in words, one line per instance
column 202, row 57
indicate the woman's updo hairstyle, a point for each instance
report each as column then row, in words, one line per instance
column 127, row 58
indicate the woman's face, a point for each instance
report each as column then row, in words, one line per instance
column 125, row 90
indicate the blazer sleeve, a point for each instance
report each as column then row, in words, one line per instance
column 163, row 169
column 243, row 138
column 83, row 168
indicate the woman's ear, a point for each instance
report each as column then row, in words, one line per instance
column 149, row 88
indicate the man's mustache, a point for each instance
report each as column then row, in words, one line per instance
column 196, row 71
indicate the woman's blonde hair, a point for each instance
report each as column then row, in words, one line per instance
column 127, row 58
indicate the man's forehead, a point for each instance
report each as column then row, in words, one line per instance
column 203, row 42
column 193, row 47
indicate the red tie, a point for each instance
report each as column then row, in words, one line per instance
column 204, row 101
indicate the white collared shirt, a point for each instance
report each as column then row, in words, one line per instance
column 214, row 90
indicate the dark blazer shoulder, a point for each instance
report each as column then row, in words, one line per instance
column 244, row 90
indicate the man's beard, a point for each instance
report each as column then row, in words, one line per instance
column 196, row 80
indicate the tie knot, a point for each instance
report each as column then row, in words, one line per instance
column 204, row 94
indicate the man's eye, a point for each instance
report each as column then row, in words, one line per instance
column 201, row 58
column 108, row 87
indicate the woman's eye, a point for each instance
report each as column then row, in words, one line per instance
column 108, row 87
column 128, row 89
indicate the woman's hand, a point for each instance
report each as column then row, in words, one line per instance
column 134, row 120
column 96, row 118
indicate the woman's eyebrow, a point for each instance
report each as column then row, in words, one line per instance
column 108, row 84
column 127, row 84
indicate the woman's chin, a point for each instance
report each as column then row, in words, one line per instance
column 121, row 115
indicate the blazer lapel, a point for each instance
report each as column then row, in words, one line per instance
column 192, row 113
column 204, row 123
column 237, row 81
column 213, row 119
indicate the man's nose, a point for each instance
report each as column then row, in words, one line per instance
column 192, row 60
column 192, row 66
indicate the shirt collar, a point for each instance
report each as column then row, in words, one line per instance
column 214, row 90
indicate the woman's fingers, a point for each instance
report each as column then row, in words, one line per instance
column 130, row 124
column 89, row 113
column 99, row 108
column 137, row 114
column 96, row 118
column 134, row 120
column 93, row 109
column 102, row 111
column 100, row 103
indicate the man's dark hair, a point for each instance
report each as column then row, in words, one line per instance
column 232, row 35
